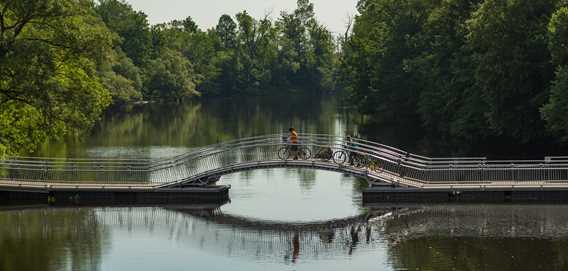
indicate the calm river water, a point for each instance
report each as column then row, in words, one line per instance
column 280, row 219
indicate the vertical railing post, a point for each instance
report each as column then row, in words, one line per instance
column 513, row 172
column 399, row 167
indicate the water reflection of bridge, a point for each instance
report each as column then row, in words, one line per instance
column 211, row 230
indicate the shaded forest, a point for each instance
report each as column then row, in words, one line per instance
column 466, row 72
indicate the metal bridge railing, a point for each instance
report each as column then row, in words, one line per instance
column 264, row 150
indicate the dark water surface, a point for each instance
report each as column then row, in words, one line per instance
column 280, row 219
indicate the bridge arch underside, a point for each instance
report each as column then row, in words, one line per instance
column 215, row 175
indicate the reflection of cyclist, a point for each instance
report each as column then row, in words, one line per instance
column 295, row 247
column 293, row 140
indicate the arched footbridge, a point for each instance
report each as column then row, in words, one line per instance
column 202, row 167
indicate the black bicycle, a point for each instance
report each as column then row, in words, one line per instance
column 324, row 153
column 301, row 152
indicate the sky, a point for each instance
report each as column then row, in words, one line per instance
column 332, row 13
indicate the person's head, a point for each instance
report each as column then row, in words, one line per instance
column 348, row 137
column 292, row 130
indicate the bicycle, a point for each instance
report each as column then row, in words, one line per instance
column 286, row 152
column 359, row 160
column 324, row 154
column 366, row 161
column 340, row 157
column 375, row 165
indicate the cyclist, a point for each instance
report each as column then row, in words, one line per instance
column 293, row 140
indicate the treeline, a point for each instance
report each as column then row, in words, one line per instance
column 240, row 55
column 464, row 71
column 63, row 62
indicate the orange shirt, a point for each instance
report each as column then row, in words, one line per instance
column 294, row 137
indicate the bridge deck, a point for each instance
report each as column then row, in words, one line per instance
column 22, row 185
column 388, row 178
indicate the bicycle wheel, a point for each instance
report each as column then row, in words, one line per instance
column 340, row 157
column 305, row 153
column 284, row 153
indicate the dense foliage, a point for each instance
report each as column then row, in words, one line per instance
column 464, row 70
column 62, row 62
column 51, row 55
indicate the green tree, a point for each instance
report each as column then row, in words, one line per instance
column 289, row 56
column 449, row 105
column 49, row 83
column 307, row 49
column 227, row 32
column 190, row 25
column 512, row 67
column 384, row 38
column 170, row 77
column 556, row 110
column 198, row 47
column 225, row 60
column 255, row 51
column 324, row 57
column 132, row 26
column 122, row 78
column 558, row 36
